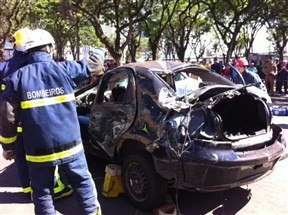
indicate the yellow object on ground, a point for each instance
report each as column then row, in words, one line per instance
column 112, row 186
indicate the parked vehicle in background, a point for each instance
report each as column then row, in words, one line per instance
column 178, row 125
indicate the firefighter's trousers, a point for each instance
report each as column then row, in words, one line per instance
column 79, row 178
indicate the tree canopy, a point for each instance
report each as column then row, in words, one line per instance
column 13, row 15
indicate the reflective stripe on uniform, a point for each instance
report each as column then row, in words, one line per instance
column 3, row 87
column 27, row 189
column 47, row 101
column 19, row 129
column 99, row 211
column 8, row 140
column 59, row 188
column 54, row 156
column 60, row 185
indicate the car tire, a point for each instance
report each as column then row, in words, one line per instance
column 145, row 188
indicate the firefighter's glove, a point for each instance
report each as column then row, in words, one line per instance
column 95, row 64
column 9, row 155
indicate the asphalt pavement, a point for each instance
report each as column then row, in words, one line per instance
column 266, row 197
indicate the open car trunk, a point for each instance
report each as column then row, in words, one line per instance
column 242, row 115
column 241, row 119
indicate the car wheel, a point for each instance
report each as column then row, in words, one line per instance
column 145, row 188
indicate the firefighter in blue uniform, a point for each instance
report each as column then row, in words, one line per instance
column 20, row 59
column 41, row 95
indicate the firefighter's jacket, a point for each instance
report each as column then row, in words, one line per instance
column 8, row 67
column 41, row 94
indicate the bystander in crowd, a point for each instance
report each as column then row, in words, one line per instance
column 282, row 78
column 270, row 72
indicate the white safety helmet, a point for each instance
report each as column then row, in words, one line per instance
column 39, row 37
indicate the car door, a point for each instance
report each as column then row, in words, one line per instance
column 114, row 110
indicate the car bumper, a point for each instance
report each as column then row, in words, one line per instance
column 214, row 170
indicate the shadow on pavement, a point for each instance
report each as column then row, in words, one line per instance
column 284, row 126
column 14, row 198
column 11, row 191
column 225, row 202
column 9, row 172
column 110, row 206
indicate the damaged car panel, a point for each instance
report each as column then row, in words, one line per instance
column 113, row 112
column 173, row 124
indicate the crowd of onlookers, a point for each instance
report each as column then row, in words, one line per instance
column 273, row 73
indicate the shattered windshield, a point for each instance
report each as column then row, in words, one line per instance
column 185, row 85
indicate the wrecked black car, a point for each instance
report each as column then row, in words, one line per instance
column 178, row 125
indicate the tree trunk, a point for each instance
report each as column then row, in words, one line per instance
column 280, row 47
column 1, row 54
column 181, row 53
column 133, row 52
column 231, row 46
column 118, row 61
column 154, row 52
column 228, row 55
column 154, row 48
column 281, row 52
